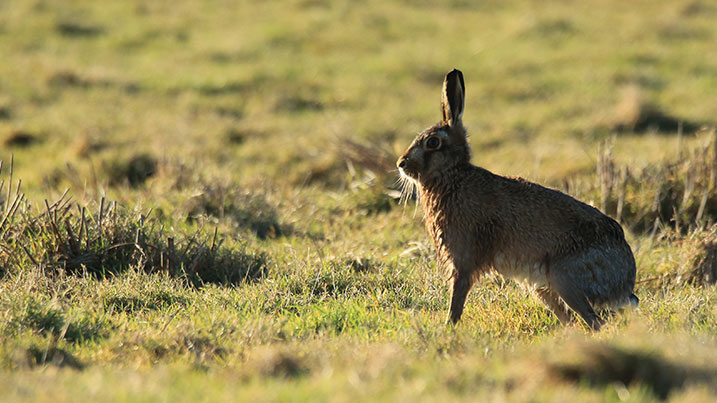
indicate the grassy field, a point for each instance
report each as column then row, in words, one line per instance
column 207, row 202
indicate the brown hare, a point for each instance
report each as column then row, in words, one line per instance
column 573, row 255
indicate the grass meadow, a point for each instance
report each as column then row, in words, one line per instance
column 198, row 199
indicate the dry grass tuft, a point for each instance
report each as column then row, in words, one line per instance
column 372, row 176
column 678, row 193
column 69, row 238
column 704, row 265
column 375, row 159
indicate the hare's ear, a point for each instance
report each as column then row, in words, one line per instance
column 453, row 98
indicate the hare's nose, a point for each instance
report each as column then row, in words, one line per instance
column 401, row 163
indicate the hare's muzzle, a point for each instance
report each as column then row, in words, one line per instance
column 405, row 167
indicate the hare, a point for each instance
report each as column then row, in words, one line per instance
column 571, row 254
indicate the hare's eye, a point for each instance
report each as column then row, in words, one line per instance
column 433, row 143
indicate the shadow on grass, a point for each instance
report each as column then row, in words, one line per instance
column 20, row 138
column 45, row 319
column 54, row 356
column 603, row 365
column 634, row 114
column 77, row 30
column 67, row 79
column 152, row 301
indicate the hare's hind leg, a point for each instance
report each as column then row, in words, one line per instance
column 574, row 296
column 459, row 291
column 552, row 300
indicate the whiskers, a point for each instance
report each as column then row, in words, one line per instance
column 409, row 189
column 407, row 186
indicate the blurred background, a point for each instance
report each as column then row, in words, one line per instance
column 275, row 91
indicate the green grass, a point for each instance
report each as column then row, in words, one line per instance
column 277, row 125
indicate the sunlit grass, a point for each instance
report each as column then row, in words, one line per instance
column 277, row 124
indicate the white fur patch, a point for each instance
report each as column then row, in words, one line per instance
column 528, row 274
column 407, row 177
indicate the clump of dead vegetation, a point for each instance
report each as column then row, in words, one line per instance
column 704, row 263
column 71, row 238
column 680, row 193
column 673, row 203
column 372, row 177
column 361, row 156
column 696, row 254
column 339, row 165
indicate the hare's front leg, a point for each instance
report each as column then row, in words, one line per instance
column 459, row 291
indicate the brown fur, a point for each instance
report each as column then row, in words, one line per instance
column 570, row 252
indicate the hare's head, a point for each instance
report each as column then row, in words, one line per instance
column 444, row 145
